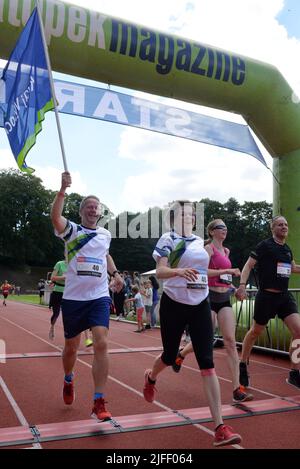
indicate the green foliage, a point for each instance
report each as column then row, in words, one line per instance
column 27, row 238
column 247, row 225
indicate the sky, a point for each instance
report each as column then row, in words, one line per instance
column 133, row 169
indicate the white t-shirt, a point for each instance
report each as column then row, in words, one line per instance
column 184, row 252
column 148, row 299
column 139, row 300
column 86, row 251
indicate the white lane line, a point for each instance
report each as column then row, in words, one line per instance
column 146, row 353
column 34, row 335
column 60, row 325
column 162, row 406
column 17, row 410
column 159, row 404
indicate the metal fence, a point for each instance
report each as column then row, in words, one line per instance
column 276, row 337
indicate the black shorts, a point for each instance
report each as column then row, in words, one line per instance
column 268, row 305
column 55, row 300
column 219, row 300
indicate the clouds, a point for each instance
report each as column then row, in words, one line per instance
column 51, row 178
column 177, row 168
column 166, row 167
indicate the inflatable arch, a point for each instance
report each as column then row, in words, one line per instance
column 102, row 48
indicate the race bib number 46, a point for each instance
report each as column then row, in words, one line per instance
column 89, row 266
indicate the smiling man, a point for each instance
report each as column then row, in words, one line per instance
column 86, row 301
column 274, row 262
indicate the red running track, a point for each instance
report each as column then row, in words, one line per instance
column 33, row 415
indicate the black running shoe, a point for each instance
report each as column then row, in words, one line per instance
column 294, row 378
column 240, row 395
column 178, row 362
column 244, row 376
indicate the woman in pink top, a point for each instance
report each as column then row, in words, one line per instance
column 220, row 274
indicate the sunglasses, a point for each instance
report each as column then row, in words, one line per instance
column 220, row 227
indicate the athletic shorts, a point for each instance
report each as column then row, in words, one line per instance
column 5, row 295
column 78, row 316
column 55, row 300
column 268, row 305
column 219, row 300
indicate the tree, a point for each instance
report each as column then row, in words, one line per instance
column 24, row 217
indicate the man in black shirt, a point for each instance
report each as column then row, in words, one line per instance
column 274, row 262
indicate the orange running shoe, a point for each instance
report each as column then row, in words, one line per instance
column 99, row 412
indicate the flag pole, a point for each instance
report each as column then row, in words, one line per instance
column 37, row 3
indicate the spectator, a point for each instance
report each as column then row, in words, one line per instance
column 41, row 289
column 137, row 299
column 147, row 299
column 155, row 299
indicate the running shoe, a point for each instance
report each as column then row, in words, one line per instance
column 68, row 393
column 178, row 362
column 294, row 378
column 244, row 376
column 224, row 436
column 149, row 388
column 99, row 412
column 88, row 342
column 240, row 395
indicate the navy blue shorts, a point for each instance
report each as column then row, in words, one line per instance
column 78, row 316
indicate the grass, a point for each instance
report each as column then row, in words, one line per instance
column 35, row 299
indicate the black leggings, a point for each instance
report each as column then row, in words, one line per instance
column 174, row 317
column 55, row 302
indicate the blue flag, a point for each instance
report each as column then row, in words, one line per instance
column 28, row 91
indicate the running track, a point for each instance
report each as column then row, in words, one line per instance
column 31, row 382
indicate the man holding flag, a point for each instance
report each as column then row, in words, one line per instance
column 86, row 301
column 29, row 96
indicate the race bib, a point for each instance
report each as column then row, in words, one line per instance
column 200, row 282
column 226, row 278
column 89, row 266
column 283, row 269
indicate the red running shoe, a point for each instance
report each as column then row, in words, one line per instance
column 149, row 388
column 224, row 436
column 68, row 393
column 99, row 412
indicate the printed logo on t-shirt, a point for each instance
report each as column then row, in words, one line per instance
column 89, row 266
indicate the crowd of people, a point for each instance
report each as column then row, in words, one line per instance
column 138, row 295
column 198, row 282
